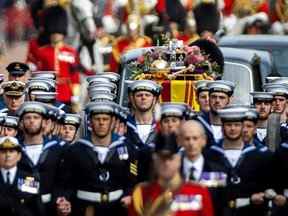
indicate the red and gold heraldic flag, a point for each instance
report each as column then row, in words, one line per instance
column 181, row 91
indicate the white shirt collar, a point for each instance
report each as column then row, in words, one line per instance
column 233, row 156
column 12, row 172
column 261, row 133
column 102, row 152
column 144, row 131
column 197, row 164
column 34, row 152
column 217, row 132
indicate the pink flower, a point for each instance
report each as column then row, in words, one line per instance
column 195, row 50
column 194, row 59
column 194, row 55
column 141, row 59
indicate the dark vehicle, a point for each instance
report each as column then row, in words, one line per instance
column 247, row 68
column 277, row 45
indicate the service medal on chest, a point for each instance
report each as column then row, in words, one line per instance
column 28, row 185
column 123, row 153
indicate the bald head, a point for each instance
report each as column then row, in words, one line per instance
column 191, row 126
column 193, row 138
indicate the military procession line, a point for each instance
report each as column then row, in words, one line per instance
column 70, row 147
column 48, row 169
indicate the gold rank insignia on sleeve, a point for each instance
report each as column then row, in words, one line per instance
column 134, row 168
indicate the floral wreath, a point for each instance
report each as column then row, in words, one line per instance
column 172, row 62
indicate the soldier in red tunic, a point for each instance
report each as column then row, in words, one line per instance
column 32, row 50
column 60, row 57
column 41, row 39
column 168, row 194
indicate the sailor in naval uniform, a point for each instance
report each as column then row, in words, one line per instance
column 40, row 154
column 203, row 96
column 246, row 166
column 69, row 126
column 263, row 104
column 100, row 170
column 280, row 95
column 220, row 95
column 250, row 129
column 9, row 126
column 143, row 96
column 172, row 115
column 141, row 123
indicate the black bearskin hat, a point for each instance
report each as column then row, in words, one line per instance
column 207, row 17
column 211, row 49
column 55, row 20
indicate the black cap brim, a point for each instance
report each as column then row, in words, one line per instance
column 17, row 73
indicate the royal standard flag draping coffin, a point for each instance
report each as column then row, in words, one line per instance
column 181, row 91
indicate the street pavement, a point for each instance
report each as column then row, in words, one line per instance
column 16, row 53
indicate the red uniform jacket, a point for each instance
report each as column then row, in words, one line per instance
column 65, row 61
column 189, row 200
column 32, row 53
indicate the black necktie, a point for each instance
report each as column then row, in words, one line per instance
column 8, row 178
column 192, row 173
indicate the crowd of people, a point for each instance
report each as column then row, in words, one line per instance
column 67, row 147
column 211, row 162
column 109, row 21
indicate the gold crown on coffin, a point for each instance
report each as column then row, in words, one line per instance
column 8, row 143
column 159, row 65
